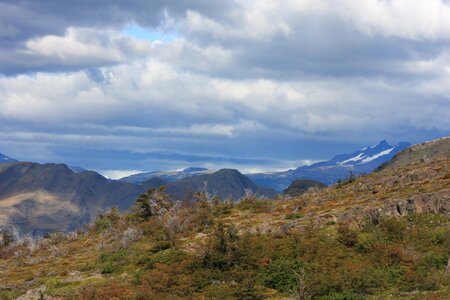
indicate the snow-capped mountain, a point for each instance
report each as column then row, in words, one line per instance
column 362, row 161
column 167, row 175
column 366, row 159
column 6, row 159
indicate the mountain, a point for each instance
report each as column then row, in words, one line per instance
column 167, row 175
column 6, row 159
column 339, row 167
column 301, row 186
column 225, row 183
column 38, row 198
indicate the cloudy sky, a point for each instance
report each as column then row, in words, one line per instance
column 120, row 86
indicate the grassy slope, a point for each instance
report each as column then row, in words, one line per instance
column 256, row 249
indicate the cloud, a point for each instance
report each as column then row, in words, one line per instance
column 268, row 79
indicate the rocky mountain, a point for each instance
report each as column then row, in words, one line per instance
column 301, row 186
column 167, row 175
column 6, row 159
column 38, row 198
column 339, row 167
column 225, row 183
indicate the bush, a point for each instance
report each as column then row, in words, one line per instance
column 293, row 216
column 255, row 204
column 282, row 275
column 393, row 228
column 347, row 236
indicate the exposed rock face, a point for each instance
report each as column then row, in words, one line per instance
column 437, row 203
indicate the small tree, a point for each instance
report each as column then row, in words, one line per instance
column 154, row 202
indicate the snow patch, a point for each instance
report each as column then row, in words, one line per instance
column 382, row 153
column 356, row 158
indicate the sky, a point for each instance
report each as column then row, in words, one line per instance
column 128, row 86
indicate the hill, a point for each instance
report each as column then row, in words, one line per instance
column 338, row 168
column 380, row 236
column 39, row 198
column 225, row 183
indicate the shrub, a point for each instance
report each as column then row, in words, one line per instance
column 393, row 228
column 347, row 236
column 282, row 274
column 293, row 216
column 255, row 204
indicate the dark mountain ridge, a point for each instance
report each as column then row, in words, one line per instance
column 225, row 183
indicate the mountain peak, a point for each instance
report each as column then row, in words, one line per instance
column 381, row 144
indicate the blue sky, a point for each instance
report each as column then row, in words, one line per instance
column 256, row 85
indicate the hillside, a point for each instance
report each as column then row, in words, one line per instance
column 423, row 152
column 380, row 236
column 40, row 198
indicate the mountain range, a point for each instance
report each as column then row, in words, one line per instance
column 338, row 168
column 39, row 198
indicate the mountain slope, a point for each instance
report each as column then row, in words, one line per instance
column 38, row 198
column 166, row 175
column 223, row 183
column 339, row 167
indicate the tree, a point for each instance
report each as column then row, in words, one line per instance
column 154, row 202
column 8, row 238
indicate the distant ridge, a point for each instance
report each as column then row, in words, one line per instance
column 167, row 175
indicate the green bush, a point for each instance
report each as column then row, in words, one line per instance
column 293, row 216
column 255, row 204
column 282, row 274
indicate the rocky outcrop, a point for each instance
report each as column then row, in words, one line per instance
column 436, row 203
